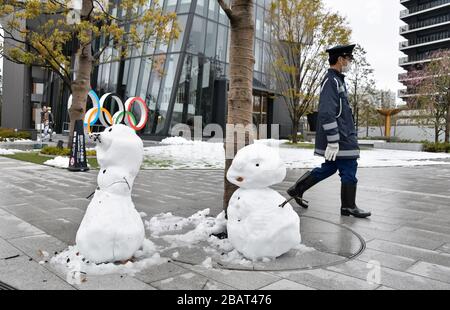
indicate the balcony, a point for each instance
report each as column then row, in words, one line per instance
column 434, row 38
column 428, row 23
column 415, row 59
column 423, row 7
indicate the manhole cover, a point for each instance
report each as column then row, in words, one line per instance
column 328, row 244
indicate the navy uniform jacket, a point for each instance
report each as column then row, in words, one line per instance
column 335, row 120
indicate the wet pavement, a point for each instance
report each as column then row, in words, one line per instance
column 405, row 244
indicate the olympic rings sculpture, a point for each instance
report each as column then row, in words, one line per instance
column 125, row 114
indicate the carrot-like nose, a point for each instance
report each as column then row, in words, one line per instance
column 240, row 179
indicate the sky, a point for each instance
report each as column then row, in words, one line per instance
column 375, row 26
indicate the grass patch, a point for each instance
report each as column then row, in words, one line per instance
column 36, row 158
column 52, row 150
column 301, row 145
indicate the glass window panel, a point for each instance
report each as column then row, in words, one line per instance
column 170, row 5
column 167, row 86
column 228, row 46
column 125, row 72
column 258, row 55
column 105, row 78
column 202, row 7
column 197, row 36
column 146, row 66
column 133, row 77
column 222, row 37
column 213, row 10
column 153, row 92
column 114, row 76
column 211, row 37
column 176, row 44
column 99, row 76
column 161, row 47
column 259, row 22
column 184, row 6
column 223, row 18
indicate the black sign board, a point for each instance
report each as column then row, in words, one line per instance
column 78, row 151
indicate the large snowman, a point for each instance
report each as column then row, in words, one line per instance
column 257, row 226
column 112, row 229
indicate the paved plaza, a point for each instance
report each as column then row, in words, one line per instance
column 407, row 237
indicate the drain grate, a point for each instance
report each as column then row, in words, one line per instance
column 6, row 287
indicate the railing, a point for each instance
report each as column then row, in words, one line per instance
column 420, row 57
column 423, row 7
column 425, row 23
column 426, row 39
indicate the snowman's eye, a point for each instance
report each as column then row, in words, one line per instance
column 257, row 165
column 110, row 129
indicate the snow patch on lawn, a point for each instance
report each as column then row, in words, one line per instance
column 58, row 162
column 186, row 154
column 9, row 151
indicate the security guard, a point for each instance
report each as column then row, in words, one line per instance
column 336, row 137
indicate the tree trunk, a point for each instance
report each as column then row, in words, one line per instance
column 240, row 98
column 295, row 131
column 447, row 123
column 82, row 82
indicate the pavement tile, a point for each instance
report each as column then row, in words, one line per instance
column 13, row 227
column 286, row 285
column 242, row 280
column 190, row 281
column 322, row 279
column 7, row 250
column 429, row 256
column 389, row 277
column 433, row 271
column 24, row 274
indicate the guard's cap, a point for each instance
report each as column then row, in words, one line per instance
column 342, row 50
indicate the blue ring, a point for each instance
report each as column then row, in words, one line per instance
column 93, row 93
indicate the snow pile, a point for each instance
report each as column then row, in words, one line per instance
column 9, row 151
column 203, row 226
column 112, row 230
column 257, row 227
column 76, row 267
column 167, row 222
column 58, row 162
column 176, row 141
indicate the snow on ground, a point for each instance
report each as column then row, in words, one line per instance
column 77, row 268
column 184, row 154
column 9, row 151
column 58, row 162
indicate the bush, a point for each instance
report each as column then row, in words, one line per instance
column 300, row 138
column 11, row 134
column 54, row 151
column 436, row 147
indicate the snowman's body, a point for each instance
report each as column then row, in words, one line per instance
column 257, row 227
column 112, row 229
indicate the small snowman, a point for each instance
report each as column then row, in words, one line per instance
column 112, row 229
column 257, row 226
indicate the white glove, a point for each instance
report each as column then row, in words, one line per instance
column 331, row 151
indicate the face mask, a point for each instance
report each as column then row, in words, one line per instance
column 346, row 68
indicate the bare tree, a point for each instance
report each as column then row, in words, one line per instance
column 301, row 32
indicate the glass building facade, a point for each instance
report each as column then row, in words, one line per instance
column 183, row 79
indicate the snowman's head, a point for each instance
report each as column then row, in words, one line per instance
column 119, row 146
column 257, row 166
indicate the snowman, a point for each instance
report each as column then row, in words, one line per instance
column 112, row 229
column 257, row 226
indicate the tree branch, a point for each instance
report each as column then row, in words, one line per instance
column 226, row 9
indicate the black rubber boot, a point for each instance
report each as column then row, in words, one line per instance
column 348, row 199
column 301, row 186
